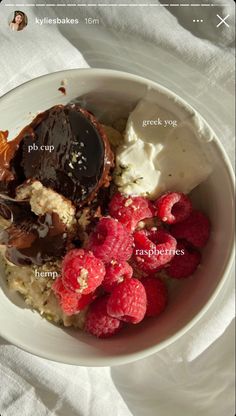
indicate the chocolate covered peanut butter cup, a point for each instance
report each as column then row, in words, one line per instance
column 66, row 150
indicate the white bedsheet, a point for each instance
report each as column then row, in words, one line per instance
column 195, row 375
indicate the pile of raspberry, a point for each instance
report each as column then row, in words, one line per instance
column 117, row 274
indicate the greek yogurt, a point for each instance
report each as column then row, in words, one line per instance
column 161, row 152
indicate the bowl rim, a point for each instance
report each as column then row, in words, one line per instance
column 131, row 357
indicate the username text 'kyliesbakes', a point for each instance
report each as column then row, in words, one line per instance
column 56, row 21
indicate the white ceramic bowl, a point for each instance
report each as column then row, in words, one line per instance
column 116, row 93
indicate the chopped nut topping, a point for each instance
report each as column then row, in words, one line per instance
column 128, row 202
column 82, row 280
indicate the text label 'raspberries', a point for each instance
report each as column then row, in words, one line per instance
column 153, row 249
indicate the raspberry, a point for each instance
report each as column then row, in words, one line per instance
column 184, row 265
column 110, row 241
column 157, row 295
column 98, row 322
column 82, row 272
column 116, row 273
column 153, row 249
column 69, row 301
column 173, row 207
column 130, row 210
column 195, row 229
column 128, row 301
column 85, row 300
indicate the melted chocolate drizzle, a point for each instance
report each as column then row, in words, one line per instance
column 31, row 239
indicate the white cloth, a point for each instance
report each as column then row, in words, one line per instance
column 195, row 374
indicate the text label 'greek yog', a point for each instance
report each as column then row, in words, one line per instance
column 160, row 122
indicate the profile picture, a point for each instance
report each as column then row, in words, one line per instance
column 19, row 21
